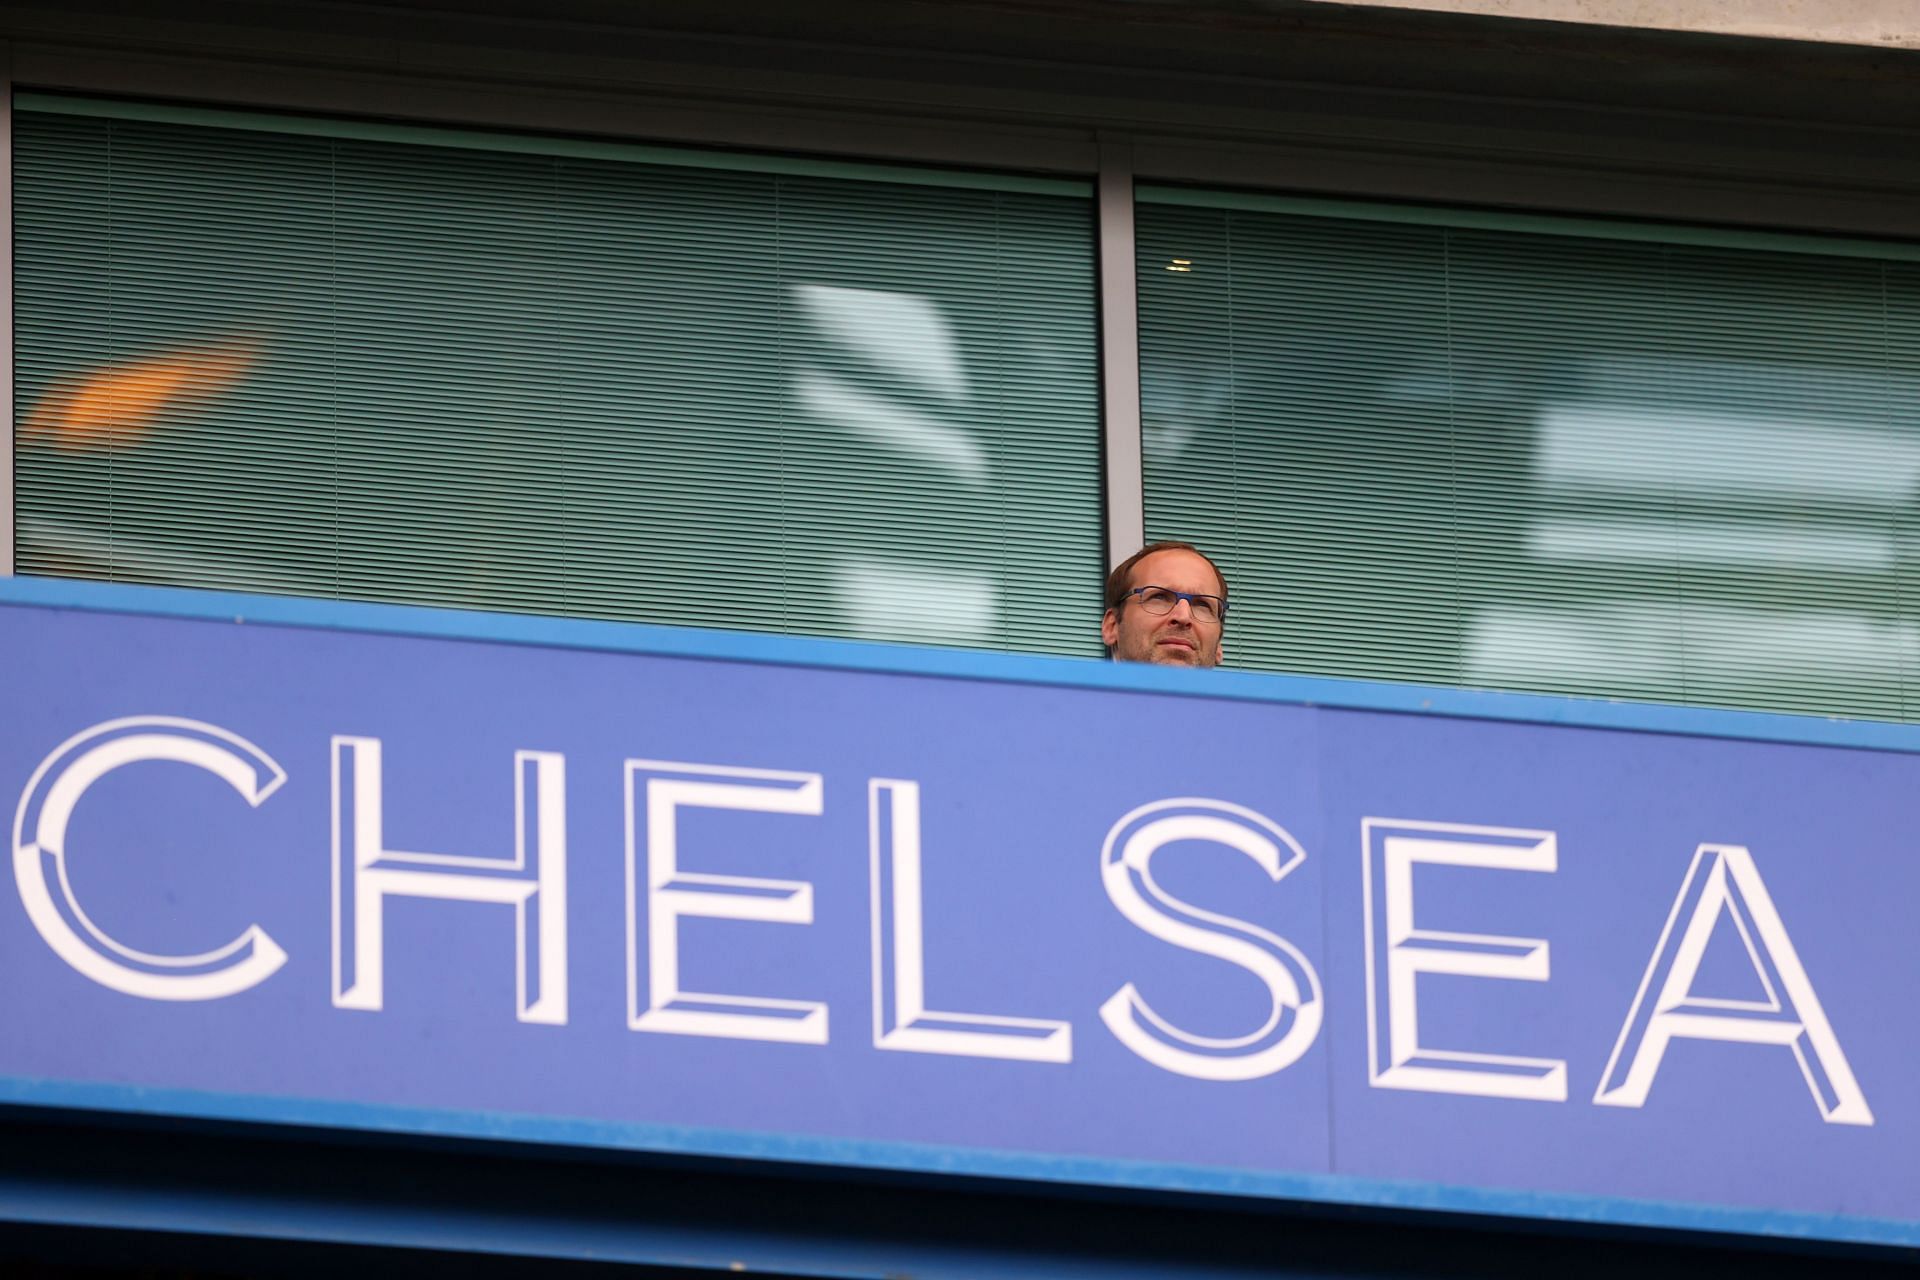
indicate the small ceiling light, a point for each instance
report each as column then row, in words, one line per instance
column 1180, row 264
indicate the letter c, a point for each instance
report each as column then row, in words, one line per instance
column 40, row 842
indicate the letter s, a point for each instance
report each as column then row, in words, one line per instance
column 1292, row 985
column 39, row 842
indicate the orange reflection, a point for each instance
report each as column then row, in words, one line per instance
column 121, row 403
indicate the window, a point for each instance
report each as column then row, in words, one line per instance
column 1516, row 453
column 362, row 361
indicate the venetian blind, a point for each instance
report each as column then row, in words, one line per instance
column 1469, row 450
column 556, row 376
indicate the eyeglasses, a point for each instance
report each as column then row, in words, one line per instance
column 1159, row 600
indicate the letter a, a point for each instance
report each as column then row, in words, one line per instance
column 1724, row 879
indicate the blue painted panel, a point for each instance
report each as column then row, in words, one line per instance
column 1538, row 873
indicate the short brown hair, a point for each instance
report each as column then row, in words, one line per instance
column 1117, row 580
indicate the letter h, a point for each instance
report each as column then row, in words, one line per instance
column 366, row 872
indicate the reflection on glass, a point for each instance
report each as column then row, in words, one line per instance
column 97, row 428
column 76, row 551
column 1707, row 542
column 904, row 334
column 888, row 424
column 1650, row 642
column 1735, row 511
column 1728, row 455
column 914, row 603
column 888, row 366
column 120, row 403
column 1176, row 405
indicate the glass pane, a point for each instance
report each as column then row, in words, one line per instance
column 1541, row 462
column 505, row 380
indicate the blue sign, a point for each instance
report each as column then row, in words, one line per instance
column 677, row 891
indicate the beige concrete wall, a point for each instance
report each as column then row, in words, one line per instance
column 1886, row 23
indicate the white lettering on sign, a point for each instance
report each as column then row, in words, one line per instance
column 1400, row 951
column 1293, row 988
column 1723, row 883
column 901, row 1019
column 366, row 873
column 1724, row 880
column 671, row 894
column 40, row 845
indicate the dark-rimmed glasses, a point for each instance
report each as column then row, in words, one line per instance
column 1160, row 600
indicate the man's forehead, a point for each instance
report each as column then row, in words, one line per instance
column 1160, row 568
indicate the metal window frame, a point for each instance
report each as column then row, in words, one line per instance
column 6, row 310
column 1118, row 300
column 538, row 144
column 1472, row 218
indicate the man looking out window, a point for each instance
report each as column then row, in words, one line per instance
column 1166, row 603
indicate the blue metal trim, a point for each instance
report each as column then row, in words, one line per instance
column 851, row 655
column 922, row 1159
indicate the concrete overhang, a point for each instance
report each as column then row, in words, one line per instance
column 1358, row 99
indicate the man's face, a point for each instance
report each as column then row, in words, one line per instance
column 1177, row 638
